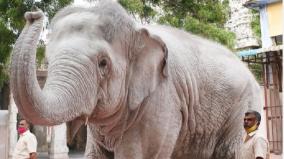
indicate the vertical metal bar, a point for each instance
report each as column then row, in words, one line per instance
column 267, row 69
column 273, row 104
column 281, row 135
column 272, row 118
column 264, row 76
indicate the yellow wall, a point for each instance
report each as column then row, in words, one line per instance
column 275, row 18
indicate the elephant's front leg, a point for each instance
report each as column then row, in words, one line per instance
column 93, row 149
column 154, row 137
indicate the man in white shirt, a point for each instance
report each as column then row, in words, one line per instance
column 27, row 143
column 255, row 145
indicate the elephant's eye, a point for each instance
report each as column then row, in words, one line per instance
column 104, row 66
column 103, row 63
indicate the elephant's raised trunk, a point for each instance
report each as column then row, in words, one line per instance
column 40, row 107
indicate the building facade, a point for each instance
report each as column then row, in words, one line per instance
column 269, row 58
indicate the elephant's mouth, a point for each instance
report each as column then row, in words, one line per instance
column 107, row 126
column 77, row 123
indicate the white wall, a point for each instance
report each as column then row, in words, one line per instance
column 4, row 148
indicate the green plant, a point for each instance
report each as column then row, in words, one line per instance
column 255, row 25
column 256, row 69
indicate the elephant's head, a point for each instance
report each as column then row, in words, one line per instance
column 99, row 63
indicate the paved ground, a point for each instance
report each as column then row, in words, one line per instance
column 72, row 155
column 272, row 156
column 80, row 155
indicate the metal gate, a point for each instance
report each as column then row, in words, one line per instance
column 272, row 76
column 271, row 79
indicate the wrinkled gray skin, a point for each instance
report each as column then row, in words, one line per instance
column 150, row 92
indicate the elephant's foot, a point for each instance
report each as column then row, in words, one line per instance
column 95, row 151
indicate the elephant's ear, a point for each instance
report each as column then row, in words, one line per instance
column 148, row 64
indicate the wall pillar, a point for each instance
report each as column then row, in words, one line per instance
column 12, row 122
column 58, row 145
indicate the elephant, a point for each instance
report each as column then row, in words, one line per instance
column 144, row 91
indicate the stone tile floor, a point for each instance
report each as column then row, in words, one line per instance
column 80, row 155
column 72, row 155
column 272, row 156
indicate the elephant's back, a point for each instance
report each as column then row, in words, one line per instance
column 188, row 49
column 177, row 39
column 200, row 57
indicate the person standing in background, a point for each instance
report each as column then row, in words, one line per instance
column 255, row 145
column 27, row 143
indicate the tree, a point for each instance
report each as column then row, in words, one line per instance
column 12, row 22
column 6, row 39
column 203, row 17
